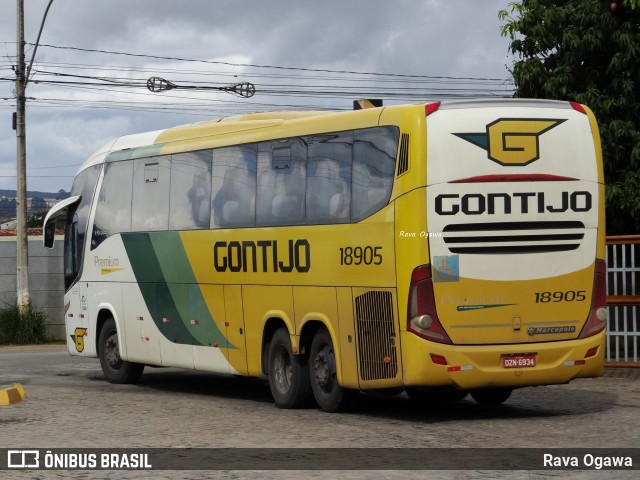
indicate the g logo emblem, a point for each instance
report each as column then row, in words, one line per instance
column 78, row 338
column 512, row 141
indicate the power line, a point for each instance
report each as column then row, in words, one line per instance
column 124, row 81
column 336, row 84
column 184, row 73
column 277, row 67
column 313, row 90
column 56, row 166
column 280, row 88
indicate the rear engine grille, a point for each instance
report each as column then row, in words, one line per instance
column 513, row 237
column 376, row 336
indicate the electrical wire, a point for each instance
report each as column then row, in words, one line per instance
column 116, row 81
column 276, row 67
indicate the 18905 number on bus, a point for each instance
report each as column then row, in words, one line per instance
column 568, row 296
column 361, row 255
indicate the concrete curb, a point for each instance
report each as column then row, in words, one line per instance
column 32, row 347
column 13, row 394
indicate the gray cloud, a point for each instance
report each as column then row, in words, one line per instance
column 457, row 38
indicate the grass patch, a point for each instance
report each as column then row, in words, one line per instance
column 26, row 328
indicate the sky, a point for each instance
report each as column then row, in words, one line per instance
column 88, row 80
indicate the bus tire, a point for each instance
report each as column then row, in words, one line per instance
column 491, row 396
column 115, row 369
column 330, row 396
column 288, row 373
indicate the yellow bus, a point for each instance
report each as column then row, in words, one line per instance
column 442, row 249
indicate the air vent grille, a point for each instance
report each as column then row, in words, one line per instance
column 376, row 336
column 403, row 155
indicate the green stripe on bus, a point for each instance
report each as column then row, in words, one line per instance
column 143, row 258
column 172, row 258
column 185, row 291
column 167, row 283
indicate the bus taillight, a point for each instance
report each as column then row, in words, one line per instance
column 598, row 315
column 577, row 107
column 430, row 108
column 422, row 318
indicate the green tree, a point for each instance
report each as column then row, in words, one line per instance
column 62, row 194
column 587, row 51
column 36, row 219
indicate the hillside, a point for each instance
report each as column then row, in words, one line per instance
column 30, row 194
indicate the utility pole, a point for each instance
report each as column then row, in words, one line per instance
column 22, row 255
column 22, row 79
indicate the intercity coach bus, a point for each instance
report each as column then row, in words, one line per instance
column 443, row 249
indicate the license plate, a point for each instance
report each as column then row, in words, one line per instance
column 519, row 361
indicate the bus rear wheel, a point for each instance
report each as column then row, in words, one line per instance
column 288, row 373
column 330, row 396
column 115, row 369
column 491, row 396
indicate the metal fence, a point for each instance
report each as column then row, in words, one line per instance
column 623, row 299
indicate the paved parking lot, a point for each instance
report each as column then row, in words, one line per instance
column 70, row 405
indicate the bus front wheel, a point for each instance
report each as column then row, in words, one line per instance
column 288, row 373
column 115, row 369
column 329, row 395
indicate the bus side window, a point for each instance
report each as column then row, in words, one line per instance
column 329, row 178
column 113, row 213
column 190, row 198
column 150, row 205
column 374, row 159
column 281, row 182
column 233, row 187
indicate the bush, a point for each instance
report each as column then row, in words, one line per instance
column 22, row 329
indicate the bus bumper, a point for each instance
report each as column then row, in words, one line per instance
column 468, row 367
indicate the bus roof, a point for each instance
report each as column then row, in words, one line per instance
column 218, row 126
column 185, row 137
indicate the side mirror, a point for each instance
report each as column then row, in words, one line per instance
column 57, row 212
column 49, row 233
